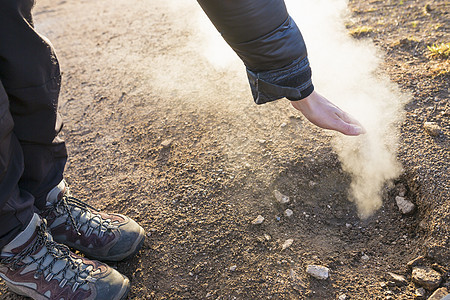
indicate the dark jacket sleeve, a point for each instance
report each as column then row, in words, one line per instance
column 269, row 43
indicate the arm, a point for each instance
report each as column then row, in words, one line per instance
column 271, row 46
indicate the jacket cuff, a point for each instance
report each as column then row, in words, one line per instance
column 293, row 82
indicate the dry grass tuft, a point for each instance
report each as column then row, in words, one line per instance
column 361, row 31
column 439, row 51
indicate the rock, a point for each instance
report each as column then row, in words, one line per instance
column 439, row 294
column 288, row 213
column 416, row 261
column 420, row 293
column 267, row 237
column 259, row 219
column 166, row 143
column 342, row 297
column 283, row 199
column 287, row 244
column 426, row 277
column 405, row 206
column 319, row 272
column 398, row 279
column 432, row 128
column 232, row 268
column 365, row 257
column 283, row 125
column 348, row 225
column 312, row 184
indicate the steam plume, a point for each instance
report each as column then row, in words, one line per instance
column 346, row 71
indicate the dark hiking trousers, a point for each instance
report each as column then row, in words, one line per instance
column 32, row 156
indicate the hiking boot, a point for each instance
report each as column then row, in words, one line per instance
column 34, row 265
column 102, row 236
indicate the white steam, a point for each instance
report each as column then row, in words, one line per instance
column 346, row 71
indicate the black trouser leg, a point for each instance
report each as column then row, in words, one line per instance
column 30, row 75
column 16, row 207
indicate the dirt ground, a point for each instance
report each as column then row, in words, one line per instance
column 196, row 172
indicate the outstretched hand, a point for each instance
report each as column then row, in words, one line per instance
column 321, row 112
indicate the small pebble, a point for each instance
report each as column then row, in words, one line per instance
column 166, row 143
column 259, row 219
column 405, row 206
column 233, row 268
column 432, row 128
column 319, row 272
column 398, row 279
column 288, row 213
column 342, row 297
column 267, row 237
column 426, row 277
column 283, row 125
column 416, row 261
column 365, row 257
column 420, row 292
column 287, row 244
column 283, row 199
column 348, row 225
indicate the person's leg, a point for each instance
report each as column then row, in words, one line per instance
column 16, row 207
column 27, row 251
column 30, row 74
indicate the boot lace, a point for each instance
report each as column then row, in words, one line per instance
column 73, row 272
column 80, row 215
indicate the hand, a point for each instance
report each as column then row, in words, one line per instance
column 321, row 112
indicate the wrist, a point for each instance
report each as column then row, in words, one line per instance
column 304, row 104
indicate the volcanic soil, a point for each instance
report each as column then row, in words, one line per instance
column 195, row 169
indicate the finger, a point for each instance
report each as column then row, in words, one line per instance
column 347, row 118
column 347, row 128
